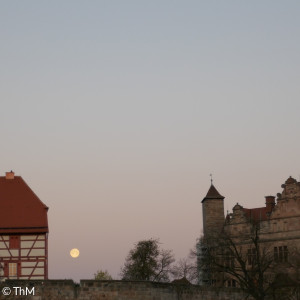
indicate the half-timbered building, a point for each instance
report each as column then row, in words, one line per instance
column 23, row 231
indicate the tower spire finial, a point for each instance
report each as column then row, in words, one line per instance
column 211, row 179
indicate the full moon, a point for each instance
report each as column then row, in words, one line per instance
column 74, row 252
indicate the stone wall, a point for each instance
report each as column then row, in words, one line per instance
column 113, row 290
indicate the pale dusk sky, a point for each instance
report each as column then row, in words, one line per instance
column 116, row 112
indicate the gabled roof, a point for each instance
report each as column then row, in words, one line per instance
column 212, row 194
column 21, row 211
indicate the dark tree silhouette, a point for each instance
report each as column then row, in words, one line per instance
column 102, row 275
column 146, row 261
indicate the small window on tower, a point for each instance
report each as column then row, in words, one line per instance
column 14, row 242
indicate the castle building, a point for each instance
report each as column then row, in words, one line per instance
column 278, row 222
column 23, row 231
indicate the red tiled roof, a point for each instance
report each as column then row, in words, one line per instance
column 257, row 214
column 21, row 211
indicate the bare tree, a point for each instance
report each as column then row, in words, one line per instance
column 185, row 268
column 242, row 261
column 287, row 286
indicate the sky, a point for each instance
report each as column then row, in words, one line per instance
column 116, row 112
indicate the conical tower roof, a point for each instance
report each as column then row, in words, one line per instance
column 213, row 194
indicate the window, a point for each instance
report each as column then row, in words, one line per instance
column 12, row 270
column 213, row 282
column 285, row 253
column 281, row 254
column 276, row 259
column 229, row 260
column 14, row 242
column 251, row 256
column 231, row 283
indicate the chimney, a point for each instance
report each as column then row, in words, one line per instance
column 270, row 202
column 10, row 175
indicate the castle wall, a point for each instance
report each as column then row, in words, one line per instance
column 117, row 290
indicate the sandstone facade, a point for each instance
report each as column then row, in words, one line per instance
column 278, row 225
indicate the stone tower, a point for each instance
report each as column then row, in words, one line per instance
column 213, row 212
